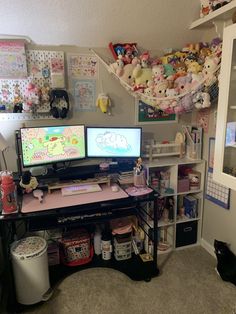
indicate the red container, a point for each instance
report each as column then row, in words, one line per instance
column 8, row 193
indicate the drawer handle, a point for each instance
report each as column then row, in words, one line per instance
column 188, row 229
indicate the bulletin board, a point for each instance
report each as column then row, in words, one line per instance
column 44, row 68
column 215, row 192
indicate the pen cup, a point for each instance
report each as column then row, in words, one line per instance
column 139, row 179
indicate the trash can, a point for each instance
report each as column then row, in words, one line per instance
column 30, row 268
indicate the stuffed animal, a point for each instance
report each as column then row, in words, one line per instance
column 28, row 182
column 32, row 97
column 160, row 89
column 209, row 69
column 127, row 74
column 201, row 100
column 194, row 67
column 183, row 84
column 158, row 73
column 145, row 59
column 141, row 75
column 103, row 102
column 206, row 7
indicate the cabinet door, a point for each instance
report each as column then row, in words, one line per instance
column 225, row 145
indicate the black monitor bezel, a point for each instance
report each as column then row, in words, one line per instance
column 59, row 161
column 113, row 127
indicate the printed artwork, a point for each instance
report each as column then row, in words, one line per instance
column 203, row 117
column 12, row 60
column 82, row 66
column 146, row 114
column 85, row 95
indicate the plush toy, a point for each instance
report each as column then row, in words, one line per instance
column 32, row 97
column 160, row 89
column 194, row 67
column 186, row 103
column 17, row 100
column 120, row 65
column 28, row 183
column 158, row 73
column 45, row 96
column 182, row 84
column 145, row 59
column 127, row 74
column 216, row 47
column 206, row 7
column 201, row 100
column 103, row 102
column 209, row 69
column 141, row 75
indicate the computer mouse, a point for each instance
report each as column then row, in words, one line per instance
column 114, row 188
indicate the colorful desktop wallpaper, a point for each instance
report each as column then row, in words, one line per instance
column 45, row 145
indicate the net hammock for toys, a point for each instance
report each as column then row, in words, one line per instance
column 174, row 104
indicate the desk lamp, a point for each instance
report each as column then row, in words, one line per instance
column 3, row 148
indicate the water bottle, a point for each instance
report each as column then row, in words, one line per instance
column 8, row 192
column 106, row 246
column 97, row 241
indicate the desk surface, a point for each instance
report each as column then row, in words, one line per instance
column 56, row 200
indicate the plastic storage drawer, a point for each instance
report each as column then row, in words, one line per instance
column 186, row 233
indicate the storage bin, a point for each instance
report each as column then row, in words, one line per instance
column 186, row 233
column 183, row 185
column 30, row 268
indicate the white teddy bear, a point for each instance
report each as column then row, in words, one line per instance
column 209, row 69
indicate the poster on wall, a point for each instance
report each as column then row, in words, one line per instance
column 12, row 60
column 82, row 66
column 85, row 95
column 146, row 114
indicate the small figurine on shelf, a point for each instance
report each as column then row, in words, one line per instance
column 139, row 166
column 28, row 182
column 139, row 175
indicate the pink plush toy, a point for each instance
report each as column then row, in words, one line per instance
column 158, row 73
column 32, row 97
column 183, row 84
column 160, row 89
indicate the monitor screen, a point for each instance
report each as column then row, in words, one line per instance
column 52, row 144
column 113, row 142
column 230, row 139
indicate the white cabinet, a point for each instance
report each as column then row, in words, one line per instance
column 225, row 145
column 180, row 182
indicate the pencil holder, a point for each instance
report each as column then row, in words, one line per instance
column 139, row 179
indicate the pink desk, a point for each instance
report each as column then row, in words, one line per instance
column 56, row 200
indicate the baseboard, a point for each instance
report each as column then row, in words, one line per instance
column 209, row 248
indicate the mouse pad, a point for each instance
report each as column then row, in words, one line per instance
column 133, row 191
column 56, row 200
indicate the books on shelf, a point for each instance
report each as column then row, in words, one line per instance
column 190, row 204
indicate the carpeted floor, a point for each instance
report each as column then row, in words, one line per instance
column 187, row 284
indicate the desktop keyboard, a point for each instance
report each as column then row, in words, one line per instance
column 80, row 189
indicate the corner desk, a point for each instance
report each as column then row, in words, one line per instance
column 57, row 211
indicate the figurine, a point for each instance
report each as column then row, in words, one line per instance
column 28, row 183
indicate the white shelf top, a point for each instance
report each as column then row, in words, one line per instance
column 171, row 161
column 224, row 13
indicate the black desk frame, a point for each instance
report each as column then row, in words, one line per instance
column 89, row 214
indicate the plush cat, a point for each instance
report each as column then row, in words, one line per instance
column 226, row 261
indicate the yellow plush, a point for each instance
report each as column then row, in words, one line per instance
column 142, row 75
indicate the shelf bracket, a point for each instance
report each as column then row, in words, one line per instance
column 219, row 27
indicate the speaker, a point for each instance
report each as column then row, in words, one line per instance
column 55, row 96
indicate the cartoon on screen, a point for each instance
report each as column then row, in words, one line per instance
column 52, row 144
column 113, row 143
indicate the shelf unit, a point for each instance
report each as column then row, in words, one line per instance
column 222, row 14
column 171, row 227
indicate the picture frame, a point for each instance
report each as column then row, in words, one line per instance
column 146, row 114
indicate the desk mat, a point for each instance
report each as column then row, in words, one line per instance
column 56, row 200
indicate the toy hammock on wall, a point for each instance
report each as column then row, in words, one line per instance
column 200, row 94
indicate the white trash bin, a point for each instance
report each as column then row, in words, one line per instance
column 30, row 268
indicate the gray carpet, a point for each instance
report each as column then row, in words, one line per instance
column 187, row 284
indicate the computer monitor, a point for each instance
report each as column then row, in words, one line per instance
column 113, row 142
column 52, row 144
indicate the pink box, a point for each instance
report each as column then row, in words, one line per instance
column 183, row 185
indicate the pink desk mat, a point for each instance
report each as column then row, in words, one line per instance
column 56, row 200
